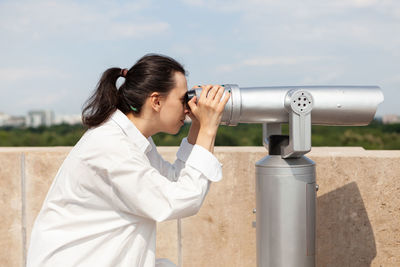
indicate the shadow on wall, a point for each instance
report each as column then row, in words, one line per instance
column 344, row 233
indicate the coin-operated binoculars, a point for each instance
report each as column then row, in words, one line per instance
column 285, row 179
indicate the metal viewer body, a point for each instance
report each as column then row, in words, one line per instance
column 285, row 179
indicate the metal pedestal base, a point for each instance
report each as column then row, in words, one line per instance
column 285, row 210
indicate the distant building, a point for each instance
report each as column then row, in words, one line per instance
column 391, row 118
column 16, row 121
column 13, row 121
column 4, row 119
column 68, row 119
column 40, row 118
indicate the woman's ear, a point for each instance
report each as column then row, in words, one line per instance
column 155, row 101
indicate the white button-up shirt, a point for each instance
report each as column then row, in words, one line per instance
column 108, row 195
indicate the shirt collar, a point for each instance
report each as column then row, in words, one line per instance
column 131, row 131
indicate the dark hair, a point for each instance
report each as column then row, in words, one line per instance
column 151, row 73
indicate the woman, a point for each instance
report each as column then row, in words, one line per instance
column 113, row 187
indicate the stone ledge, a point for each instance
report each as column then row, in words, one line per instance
column 315, row 151
column 357, row 207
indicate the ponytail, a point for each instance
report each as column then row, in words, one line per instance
column 104, row 100
column 151, row 73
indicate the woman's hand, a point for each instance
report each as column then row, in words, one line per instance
column 208, row 112
column 209, row 107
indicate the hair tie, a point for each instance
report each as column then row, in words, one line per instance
column 133, row 108
column 123, row 72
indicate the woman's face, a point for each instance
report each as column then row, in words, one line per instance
column 174, row 109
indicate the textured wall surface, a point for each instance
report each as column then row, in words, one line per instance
column 358, row 207
column 12, row 233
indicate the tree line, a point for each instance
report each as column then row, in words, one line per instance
column 374, row 136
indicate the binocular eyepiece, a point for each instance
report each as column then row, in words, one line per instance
column 189, row 95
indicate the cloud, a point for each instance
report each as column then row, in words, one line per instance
column 79, row 20
column 270, row 61
column 394, row 80
column 126, row 30
column 50, row 99
column 322, row 77
column 363, row 3
column 347, row 22
column 265, row 5
column 21, row 74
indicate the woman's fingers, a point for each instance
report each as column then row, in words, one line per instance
column 222, row 103
column 218, row 95
column 192, row 103
column 212, row 93
column 204, row 92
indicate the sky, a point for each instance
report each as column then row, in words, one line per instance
column 52, row 53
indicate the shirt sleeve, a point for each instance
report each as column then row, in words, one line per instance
column 201, row 159
column 141, row 189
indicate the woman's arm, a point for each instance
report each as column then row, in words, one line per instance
column 202, row 131
column 140, row 189
column 194, row 130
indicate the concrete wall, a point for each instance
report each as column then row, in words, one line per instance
column 358, row 208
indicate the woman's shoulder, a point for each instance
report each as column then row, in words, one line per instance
column 105, row 140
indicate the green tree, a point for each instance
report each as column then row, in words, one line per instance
column 374, row 136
